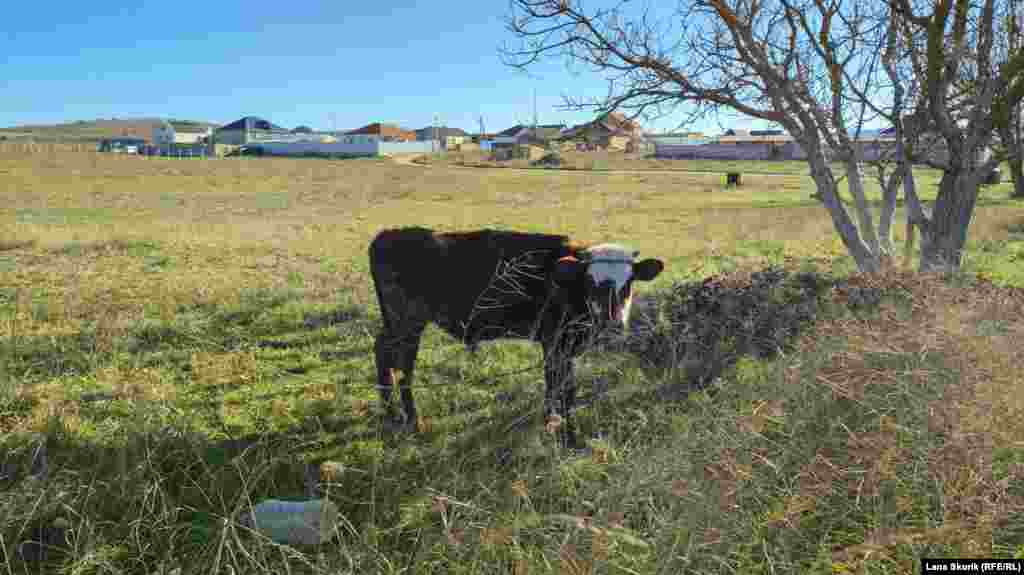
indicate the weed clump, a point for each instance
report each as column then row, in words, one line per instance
column 708, row 325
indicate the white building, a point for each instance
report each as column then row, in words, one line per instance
column 170, row 132
column 357, row 138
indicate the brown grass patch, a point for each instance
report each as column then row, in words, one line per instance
column 979, row 410
column 222, row 369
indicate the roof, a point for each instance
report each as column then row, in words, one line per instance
column 596, row 126
column 251, row 123
column 582, row 128
column 441, row 132
column 511, row 131
column 617, row 121
column 544, row 131
column 612, row 123
column 381, row 129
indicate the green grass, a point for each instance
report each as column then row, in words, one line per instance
column 189, row 337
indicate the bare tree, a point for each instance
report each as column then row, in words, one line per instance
column 971, row 76
column 1011, row 126
column 810, row 66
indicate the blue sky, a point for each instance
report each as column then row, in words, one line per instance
column 338, row 64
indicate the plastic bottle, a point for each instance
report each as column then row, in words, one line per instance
column 303, row 522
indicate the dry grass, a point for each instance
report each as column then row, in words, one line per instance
column 970, row 423
column 181, row 337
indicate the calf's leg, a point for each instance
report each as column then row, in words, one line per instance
column 396, row 360
column 407, row 363
column 384, row 354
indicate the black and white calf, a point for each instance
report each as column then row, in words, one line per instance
column 487, row 284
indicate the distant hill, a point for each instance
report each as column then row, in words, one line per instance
column 87, row 130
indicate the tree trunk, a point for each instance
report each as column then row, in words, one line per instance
column 943, row 240
column 867, row 261
column 1017, row 175
column 908, row 247
column 856, row 186
column 889, row 192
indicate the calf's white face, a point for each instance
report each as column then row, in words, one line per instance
column 610, row 276
column 607, row 272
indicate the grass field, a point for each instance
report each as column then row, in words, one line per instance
column 183, row 337
column 85, row 131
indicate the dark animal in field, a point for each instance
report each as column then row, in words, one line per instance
column 488, row 284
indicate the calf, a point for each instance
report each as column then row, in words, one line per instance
column 488, row 284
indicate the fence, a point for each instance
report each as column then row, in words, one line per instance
column 177, row 151
column 422, row 147
column 675, row 140
column 341, row 149
column 713, row 151
column 316, row 149
column 870, row 151
column 283, row 137
column 752, row 151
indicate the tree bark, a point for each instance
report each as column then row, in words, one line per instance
column 856, row 185
column 908, row 246
column 866, row 259
column 943, row 239
column 1017, row 175
column 890, row 188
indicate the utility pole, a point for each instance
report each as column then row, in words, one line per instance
column 433, row 135
column 444, row 136
column 535, row 113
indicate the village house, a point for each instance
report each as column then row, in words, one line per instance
column 522, row 134
column 611, row 131
column 171, row 132
column 247, row 130
column 377, row 132
column 452, row 138
column 522, row 141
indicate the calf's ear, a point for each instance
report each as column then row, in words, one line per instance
column 567, row 270
column 646, row 270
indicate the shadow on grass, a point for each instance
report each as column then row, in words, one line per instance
column 709, row 325
column 187, row 480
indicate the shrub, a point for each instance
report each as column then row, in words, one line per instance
column 707, row 325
